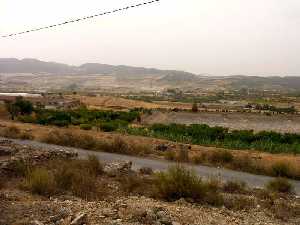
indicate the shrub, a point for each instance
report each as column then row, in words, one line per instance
column 71, row 139
column 146, row 171
column 222, row 156
column 78, row 176
column 26, row 136
column 140, row 149
column 84, row 184
column 198, row 159
column 179, row 182
column 40, row 181
column 20, row 168
column 11, row 132
column 281, row 169
column 86, row 126
column 280, row 185
column 27, row 119
column 170, row 155
column 109, row 126
column 183, row 155
column 64, row 176
column 135, row 184
column 93, row 164
column 119, row 146
column 234, row 187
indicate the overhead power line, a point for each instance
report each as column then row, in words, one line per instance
column 81, row 19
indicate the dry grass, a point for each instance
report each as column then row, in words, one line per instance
column 282, row 169
column 280, row 185
column 146, row 171
column 15, row 133
column 40, row 181
column 76, row 176
column 221, row 157
column 234, row 187
column 179, row 182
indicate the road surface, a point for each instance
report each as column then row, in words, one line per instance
column 254, row 181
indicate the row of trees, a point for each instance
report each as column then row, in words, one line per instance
column 19, row 107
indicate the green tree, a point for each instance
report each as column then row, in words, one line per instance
column 25, row 107
column 12, row 109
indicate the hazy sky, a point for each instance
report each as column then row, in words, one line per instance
column 220, row 37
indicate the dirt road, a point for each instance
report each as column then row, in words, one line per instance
column 161, row 165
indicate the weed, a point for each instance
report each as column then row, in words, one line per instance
column 281, row 169
column 146, row 171
column 178, row 183
column 40, row 181
column 11, row 132
column 234, row 187
column 280, row 185
column 222, row 156
column 86, row 126
column 170, row 155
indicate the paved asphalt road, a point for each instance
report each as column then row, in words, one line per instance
column 160, row 165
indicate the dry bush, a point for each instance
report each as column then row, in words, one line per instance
column 198, row 159
column 72, row 139
column 40, row 181
column 183, row 155
column 84, row 184
column 281, row 169
column 15, row 133
column 170, row 155
column 118, row 145
column 135, row 184
column 93, row 165
column 247, row 164
column 234, row 187
column 140, row 149
column 78, row 176
column 20, row 168
column 221, row 156
column 11, row 132
column 146, row 171
column 26, row 136
column 280, row 185
column 179, row 182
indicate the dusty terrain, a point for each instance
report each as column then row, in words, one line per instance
column 238, row 121
column 116, row 207
column 108, row 102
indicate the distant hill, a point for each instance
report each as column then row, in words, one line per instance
column 11, row 65
column 136, row 76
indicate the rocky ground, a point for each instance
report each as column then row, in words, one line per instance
column 20, row 207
